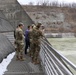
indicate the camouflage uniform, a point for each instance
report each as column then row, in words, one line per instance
column 35, row 44
column 20, row 43
column 30, row 37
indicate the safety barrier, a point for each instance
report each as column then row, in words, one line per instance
column 53, row 62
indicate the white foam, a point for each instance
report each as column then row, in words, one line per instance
column 5, row 63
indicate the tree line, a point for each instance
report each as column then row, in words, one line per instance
column 55, row 4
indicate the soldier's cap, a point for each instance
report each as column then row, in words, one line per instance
column 33, row 24
column 42, row 25
column 21, row 24
column 38, row 24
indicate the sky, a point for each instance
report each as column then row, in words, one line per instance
column 36, row 1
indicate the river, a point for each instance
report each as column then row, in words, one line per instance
column 65, row 46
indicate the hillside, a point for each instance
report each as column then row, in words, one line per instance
column 55, row 19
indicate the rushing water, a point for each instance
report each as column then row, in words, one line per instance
column 66, row 46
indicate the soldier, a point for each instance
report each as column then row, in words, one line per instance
column 15, row 38
column 36, row 34
column 15, row 33
column 43, row 29
column 19, row 42
column 30, row 37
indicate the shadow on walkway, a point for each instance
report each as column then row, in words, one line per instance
column 23, row 67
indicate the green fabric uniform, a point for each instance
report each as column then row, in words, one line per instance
column 20, row 43
column 36, row 34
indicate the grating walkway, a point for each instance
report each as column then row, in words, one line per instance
column 23, row 67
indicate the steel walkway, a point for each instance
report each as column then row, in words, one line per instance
column 52, row 62
column 23, row 67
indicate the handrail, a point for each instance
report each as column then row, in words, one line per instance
column 57, row 67
column 52, row 59
column 64, row 58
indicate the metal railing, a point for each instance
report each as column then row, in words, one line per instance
column 53, row 62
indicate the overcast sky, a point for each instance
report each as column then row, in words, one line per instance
column 35, row 1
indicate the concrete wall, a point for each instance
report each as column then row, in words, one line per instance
column 11, row 14
column 15, row 13
column 5, row 25
column 5, row 47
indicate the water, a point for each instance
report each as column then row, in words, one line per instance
column 66, row 46
column 5, row 63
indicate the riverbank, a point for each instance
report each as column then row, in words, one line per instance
column 60, row 35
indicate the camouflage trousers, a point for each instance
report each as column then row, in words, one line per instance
column 19, row 51
column 34, row 51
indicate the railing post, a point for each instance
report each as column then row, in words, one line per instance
column 53, row 62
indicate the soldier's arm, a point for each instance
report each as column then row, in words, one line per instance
column 30, row 36
column 21, row 35
column 41, row 34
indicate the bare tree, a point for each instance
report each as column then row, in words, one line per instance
column 31, row 3
column 38, row 3
column 55, row 3
column 73, row 5
column 44, row 3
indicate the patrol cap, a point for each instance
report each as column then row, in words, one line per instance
column 21, row 24
column 33, row 24
column 38, row 25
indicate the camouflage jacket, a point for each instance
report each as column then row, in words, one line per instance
column 19, row 36
column 35, row 35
